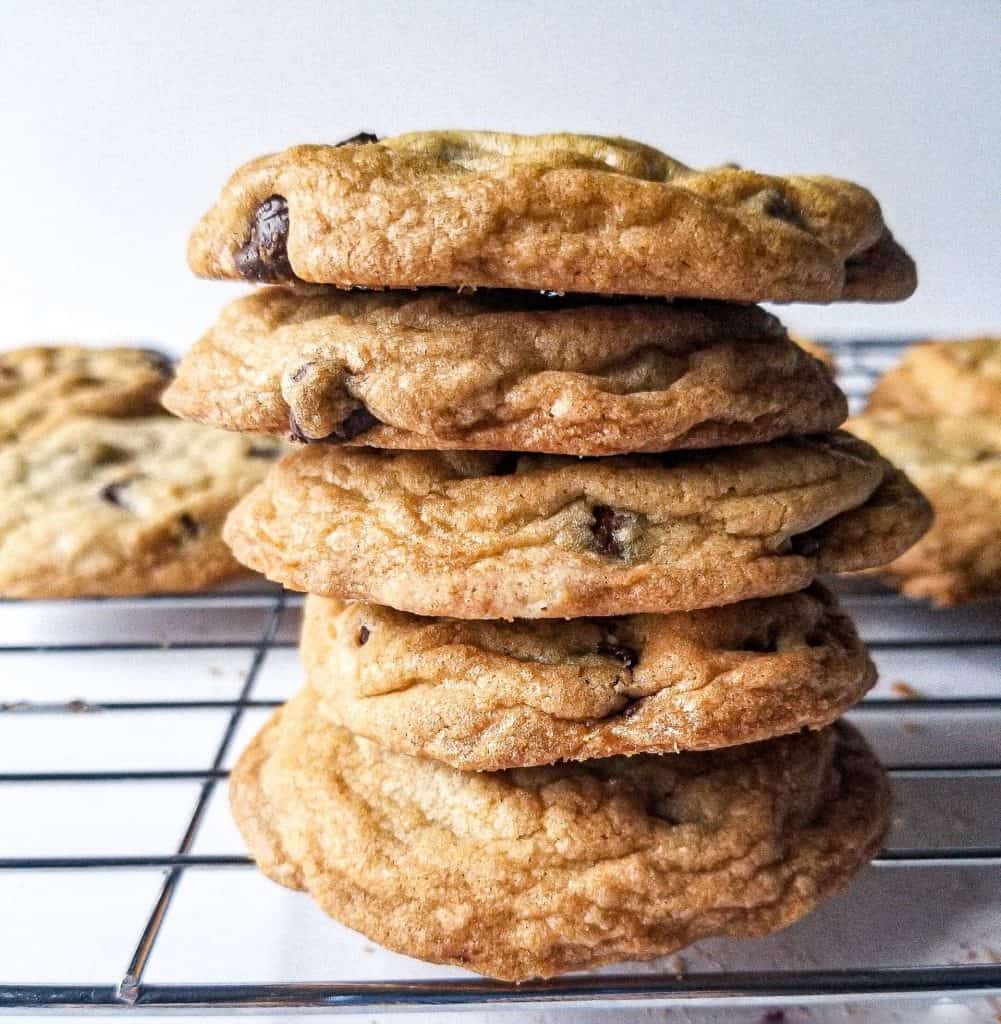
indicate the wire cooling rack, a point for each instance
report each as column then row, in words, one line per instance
column 124, row 886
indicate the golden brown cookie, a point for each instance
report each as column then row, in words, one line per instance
column 956, row 461
column 497, row 372
column 565, row 213
column 948, row 378
column 99, row 506
column 537, row 871
column 482, row 536
column 486, row 695
column 43, row 385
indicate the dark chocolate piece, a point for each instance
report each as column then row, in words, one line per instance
column 361, row 139
column 264, row 256
column 356, row 422
column 606, row 522
column 613, row 649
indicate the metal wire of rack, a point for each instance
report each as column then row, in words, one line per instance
column 250, row 627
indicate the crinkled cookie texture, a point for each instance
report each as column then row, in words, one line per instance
column 102, row 506
column 444, row 371
column 486, row 695
column 486, row 536
column 562, row 212
column 956, row 461
column 537, row 871
column 42, row 385
column 948, row 378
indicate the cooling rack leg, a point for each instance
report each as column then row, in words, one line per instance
column 129, row 987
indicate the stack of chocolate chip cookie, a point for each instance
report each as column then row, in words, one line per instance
column 561, row 501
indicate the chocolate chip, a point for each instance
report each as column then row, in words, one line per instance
column 160, row 361
column 773, row 203
column 805, row 544
column 361, row 139
column 363, row 635
column 356, row 422
column 607, row 523
column 114, row 492
column 188, row 524
column 613, row 649
column 260, row 451
column 264, row 256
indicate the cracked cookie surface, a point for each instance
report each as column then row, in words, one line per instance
column 947, row 378
column 536, row 871
column 42, row 385
column 436, row 370
column 477, row 535
column 487, row 695
column 560, row 212
column 101, row 506
column 956, row 461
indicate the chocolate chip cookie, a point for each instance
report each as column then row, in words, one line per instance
column 491, row 695
column 948, row 378
column 537, row 871
column 957, row 463
column 500, row 536
column 99, row 506
column 43, row 385
column 501, row 372
column 563, row 212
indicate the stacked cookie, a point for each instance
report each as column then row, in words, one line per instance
column 548, row 519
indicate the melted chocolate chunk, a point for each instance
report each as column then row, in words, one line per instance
column 363, row 635
column 613, row 649
column 356, row 422
column 361, row 139
column 114, row 492
column 264, row 257
column 606, row 522
column 188, row 524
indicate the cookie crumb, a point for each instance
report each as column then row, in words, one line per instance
column 904, row 690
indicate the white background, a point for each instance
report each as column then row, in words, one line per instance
column 119, row 122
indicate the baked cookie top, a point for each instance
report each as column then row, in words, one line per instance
column 536, row 871
column 948, row 378
column 100, row 506
column 485, row 695
column 482, row 536
column 42, row 385
column 562, row 212
column 956, row 460
column 438, row 370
